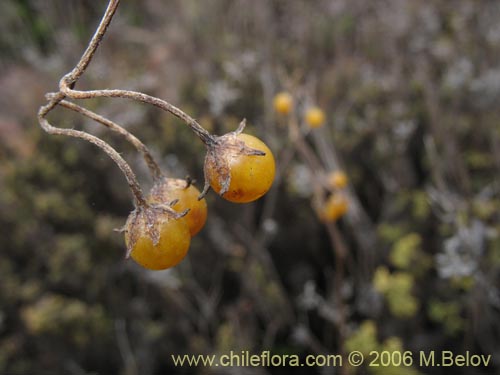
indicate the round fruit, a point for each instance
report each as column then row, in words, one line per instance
column 315, row 117
column 236, row 172
column 337, row 180
column 283, row 103
column 155, row 239
column 170, row 189
column 335, row 207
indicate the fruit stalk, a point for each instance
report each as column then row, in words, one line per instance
column 154, row 169
column 113, row 154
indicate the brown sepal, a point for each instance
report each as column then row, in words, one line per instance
column 147, row 220
column 219, row 155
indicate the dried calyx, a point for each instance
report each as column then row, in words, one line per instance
column 147, row 220
column 220, row 151
column 183, row 190
column 165, row 185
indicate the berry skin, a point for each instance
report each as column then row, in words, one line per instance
column 315, row 117
column 240, row 167
column 337, row 180
column 156, row 238
column 335, row 207
column 283, row 103
column 170, row 189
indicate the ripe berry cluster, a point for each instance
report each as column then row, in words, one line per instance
column 314, row 116
column 239, row 167
column 336, row 204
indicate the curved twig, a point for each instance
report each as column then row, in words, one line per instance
column 122, row 164
column 204, row 135
column 87, row 56
column 141, row 147
column 71, row 78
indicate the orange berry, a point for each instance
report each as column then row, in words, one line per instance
column 233, row 160
column 337, row 180
column 335, row 207
column 155, row 238
column 283, row 103
column 170, row 189
column 315, row 117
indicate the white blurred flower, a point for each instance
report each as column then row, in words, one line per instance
column 270, row 226
column 239, row 67
column 461, row 253
column 299, row 179
column 486, row 88
column 310, row 299
column 458, row 74
column 220, row 95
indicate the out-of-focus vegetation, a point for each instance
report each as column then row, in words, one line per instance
column 410, row 90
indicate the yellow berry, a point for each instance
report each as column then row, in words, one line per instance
column 156, row 239
column 249, row 176
column 337, row 180
column 283, row 103
column 335, row 207
column 169, row 189
column 315, row 117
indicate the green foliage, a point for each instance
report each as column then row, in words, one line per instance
column 365, row 340
column 486, row 209
column 406, row 250
column 390, row 232
column 67, row 318
column 421, row 206
column 70, row 252
column 478, row 160
column 397, row 289
column 412, row 98
column 494, row 252
column 448, row 314
column 225, row 338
